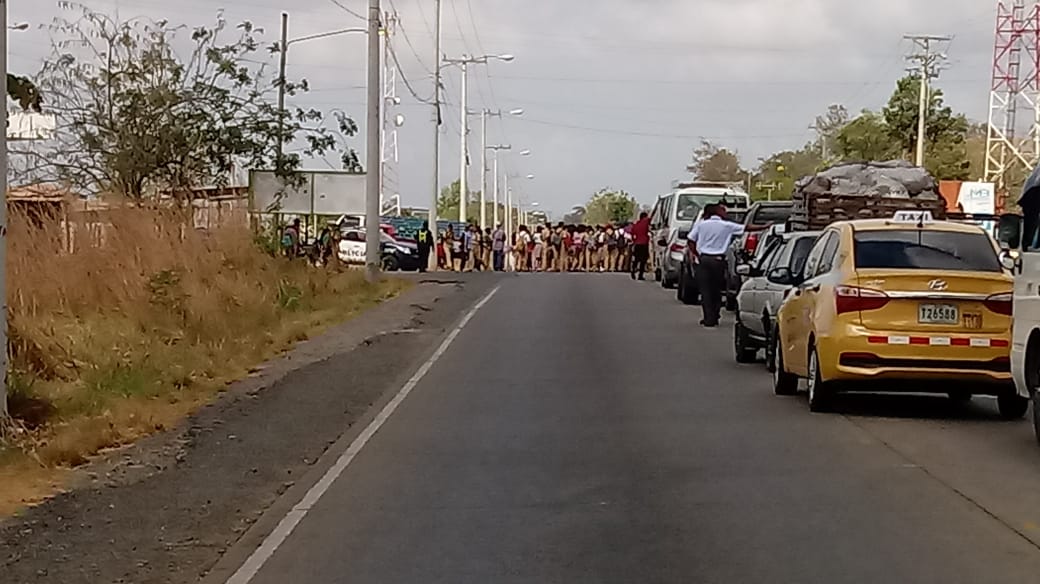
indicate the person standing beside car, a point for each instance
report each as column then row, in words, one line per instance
column 640, row 245
column 708, row 241
column 425, row 241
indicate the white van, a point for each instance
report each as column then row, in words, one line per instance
column 677, row 211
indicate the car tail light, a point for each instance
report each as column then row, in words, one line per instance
column 1000, row 303
column 751, row 243
column 677, row 248
column 854, row 299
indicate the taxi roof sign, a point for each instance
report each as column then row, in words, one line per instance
column 911, row 216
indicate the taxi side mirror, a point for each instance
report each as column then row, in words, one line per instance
column 662, row 242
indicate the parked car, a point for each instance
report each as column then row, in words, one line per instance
column 671, row 261
column 763, row 220
column 396, row 255
column 760, row 298
column 923, row 306
column 678, row 211
column 686, row 280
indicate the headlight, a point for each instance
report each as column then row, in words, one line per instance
column 404, row 250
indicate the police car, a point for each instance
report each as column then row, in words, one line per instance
column 396, row 255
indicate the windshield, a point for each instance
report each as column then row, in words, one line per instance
column 925, row 250
column 773, row 214
column 702, row 200
column 688, row 210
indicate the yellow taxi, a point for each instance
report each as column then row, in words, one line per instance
column 919, row 304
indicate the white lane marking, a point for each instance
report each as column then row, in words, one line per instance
column 293, row 518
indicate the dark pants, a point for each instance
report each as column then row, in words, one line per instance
column 711, row 280
column 499, row 259
column 640, row 255
column 424, row 257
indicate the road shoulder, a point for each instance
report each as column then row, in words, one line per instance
column 166, row 509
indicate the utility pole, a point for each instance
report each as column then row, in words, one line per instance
column 496, row 150
column 4, row 414
column 509, row 210
column 283, row 49
column 463, row 154
column 373, row 233
column 927, row 66
column 436, row 132
column 483, row 170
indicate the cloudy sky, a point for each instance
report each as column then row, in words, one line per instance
column 616, row 93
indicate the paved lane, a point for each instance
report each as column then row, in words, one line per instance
column 582, row 428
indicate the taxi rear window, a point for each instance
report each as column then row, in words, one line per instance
column 925, row 250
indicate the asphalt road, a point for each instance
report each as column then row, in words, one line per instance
column 583, row 428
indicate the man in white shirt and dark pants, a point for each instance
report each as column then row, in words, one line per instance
column 708, row 240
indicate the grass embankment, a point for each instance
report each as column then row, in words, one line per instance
column 124, row 338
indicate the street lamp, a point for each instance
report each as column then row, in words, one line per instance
column 484, row 115
column 464, row 62
column 496, row 150
column 19, row 26
column 283, row 49
column 509, row 204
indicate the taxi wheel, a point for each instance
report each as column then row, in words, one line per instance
column 1012, row 406
column 784, row 383
column 819, row 392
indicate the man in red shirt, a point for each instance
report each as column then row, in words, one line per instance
column 640, row 245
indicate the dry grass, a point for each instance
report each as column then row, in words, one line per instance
column 125, row 336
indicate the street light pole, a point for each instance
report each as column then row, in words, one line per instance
column 283, row 49
column 483, row 170
column 463, row 162
column 436, row 133
column 495, row 189
column 375, row 100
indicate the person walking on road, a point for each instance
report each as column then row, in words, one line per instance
column 640, row 245
column 498, row 247
column 709, row 240
column 424, row 240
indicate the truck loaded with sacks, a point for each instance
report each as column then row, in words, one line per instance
column 863, row 190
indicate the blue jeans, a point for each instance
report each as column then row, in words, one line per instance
column 499, row 260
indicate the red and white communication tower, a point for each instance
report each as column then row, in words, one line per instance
column 1013, row 139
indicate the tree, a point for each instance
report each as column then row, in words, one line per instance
column 784, row 168
column 610, row 206
column 448, row 204
column 945, row 131
column 136, row 119
column 24, row 92
column 828, row 126
column 866, row 138
column 711, row 163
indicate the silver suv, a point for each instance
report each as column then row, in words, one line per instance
column 759, row 297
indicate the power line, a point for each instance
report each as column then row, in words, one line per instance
column 347, row 10
column 407, row 83
column 526, row 120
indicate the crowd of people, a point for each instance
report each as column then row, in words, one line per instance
column 621, row 247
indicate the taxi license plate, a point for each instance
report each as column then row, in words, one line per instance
column 938, row 314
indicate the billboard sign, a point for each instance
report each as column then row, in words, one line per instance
column 320, row 193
